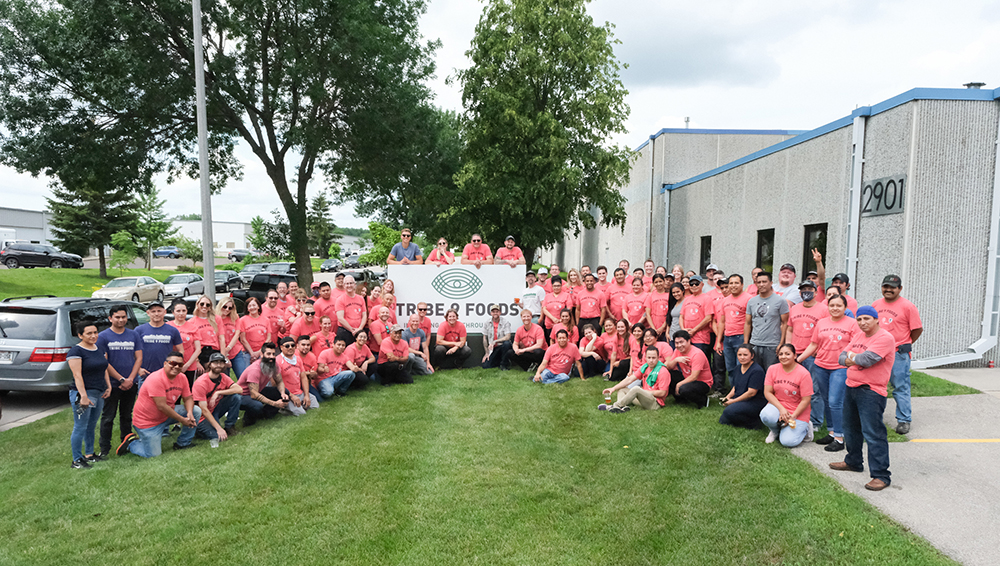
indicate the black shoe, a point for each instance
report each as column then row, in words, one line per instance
column 80, row 464
column 902, row 428
column 825, row 440
column 613, row 409
column 185, row 447
column 835, row 446
column 96, row 457
column 123, row 447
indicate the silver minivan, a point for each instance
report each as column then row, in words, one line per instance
column 36, row 333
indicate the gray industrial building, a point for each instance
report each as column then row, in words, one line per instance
column 907, row 186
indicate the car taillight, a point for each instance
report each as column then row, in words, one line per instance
column 48, row 355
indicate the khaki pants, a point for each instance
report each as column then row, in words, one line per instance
column 637, row 396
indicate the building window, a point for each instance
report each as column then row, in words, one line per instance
column 706, row 253
column 765, row 249
column 815, row 238
column 230, row 245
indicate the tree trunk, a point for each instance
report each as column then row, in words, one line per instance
column 103, row 263
column 299, row 243
column 529, row 255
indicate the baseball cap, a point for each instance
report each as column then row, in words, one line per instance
column 807, row 283
column 892, row 281
column 395, row 328
column 529, row 272
column 216, row 357
column 494, row 307
column 841, row 277
column 808, row 273
column 543, row 271
column 695, row 278
column 867, row 310
column 712, row 267
column 508, row 238
column 315, row 285
column 156, row 304
column 788, row 266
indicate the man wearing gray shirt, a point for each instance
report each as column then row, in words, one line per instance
column 534, row 294
column 787, row 288
column 416, row 339
column 766, row 323
column 496, row 338
column 405, row 252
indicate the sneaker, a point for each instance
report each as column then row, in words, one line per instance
column 175, row 428
column 715, row 395
column 825, row 440
column 707, row 401
column 835, row 446
column 123, row 447
column 532, row 368
column 95, row 457
column 230, row 431
column 771, row 437
column 810, row 433
column 185, row 447
column 876, row 485
column 80, row 464
column 901, row 428
column 613, row 409
column 604, row 407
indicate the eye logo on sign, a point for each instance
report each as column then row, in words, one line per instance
column 456, row 284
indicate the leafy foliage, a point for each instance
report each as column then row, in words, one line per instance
column 123, row 251
column 320, row 225
column 152, row 227
column 383, row 238
column 333, row 250
column 192, row 249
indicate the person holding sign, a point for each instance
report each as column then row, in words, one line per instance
column 405, row 252
column 440, row 255
column 509, row 254
column 477, row 253
column 655, row 380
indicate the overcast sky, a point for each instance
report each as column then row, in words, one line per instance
column 752, row 65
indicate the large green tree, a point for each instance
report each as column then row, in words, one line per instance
column 152, row 226
column 320, row 225
column 542, row 98
column 307, row 85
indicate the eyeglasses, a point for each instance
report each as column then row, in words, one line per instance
column 309, row 313
column 476, row 241
column 423, row 309
column 175, row 364
column 227, row 308
column 407, row 235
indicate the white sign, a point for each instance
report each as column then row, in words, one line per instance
column 464, row 288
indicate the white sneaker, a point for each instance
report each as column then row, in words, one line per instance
column 771, row 437
column 809, row 435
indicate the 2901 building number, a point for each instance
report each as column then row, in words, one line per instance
column 883, row 196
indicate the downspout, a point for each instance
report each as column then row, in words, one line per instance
column 854, row 196
column 991, row 301
column 666, row 227
column 652, row 190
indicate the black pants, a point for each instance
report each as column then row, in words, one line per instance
column 622, row 371
column 593, row 366
column 695, row 392
column 394, row 372
column 524, row 360
column 121, row 402
column 745, row 414
column 595, row 322
column 500, row 350
column 361, row 380
column 718, row 366
column 765, row 356
column 254, row 410
column 442, row 360
column 345, row 334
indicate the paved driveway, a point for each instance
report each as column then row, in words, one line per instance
column 23, row 407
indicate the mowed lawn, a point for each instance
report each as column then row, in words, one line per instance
column 470, row 467
column 64, row 282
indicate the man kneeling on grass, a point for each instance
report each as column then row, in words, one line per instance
column 295, row 379
column 559, row 360
column 217, row 396
column 655, row 379
column 260, row 399
column 155, row 410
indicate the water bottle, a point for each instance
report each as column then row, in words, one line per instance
column 214, row 443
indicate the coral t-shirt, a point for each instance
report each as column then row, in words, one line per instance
column 400, row 349
column 735, row 309
column 291, row 374
column 898, row 318
column 326, row 307
column 512, row 254
column 473, row 253
column 373, row 314
column 528, row 338
column 322, row 342
column 832, row 338
column 876, row 376
column 354, row 310
column 302, row 327
column 561, row 360
column 358, row 353
column 697, row 362
column 693, row 311
column 802, row 321
column 227, row 329
column 189, row 335
column 204, row 388
column 790, row 387
column 256, row 330
column 591, row 303
column 662, row 382
column 452, row 332
column 157, row 384
column 574, row 332
column 334, row 363
column 635, row 307
column 554, row 304
column 438, row 257
column 382, row 329
column 659, row 306
column 615, row 295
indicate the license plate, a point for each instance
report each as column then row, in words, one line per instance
column 7, row 357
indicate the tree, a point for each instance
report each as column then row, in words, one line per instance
column 123, row 251
column 333, row 250
column 191, row 216
column 383, row 238
column 258, row 233
column 306, row 85
column 191, row 249
column 320, row 226
column 541, row 98
column 152, row 227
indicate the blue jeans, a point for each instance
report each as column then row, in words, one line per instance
column 828, row 398
column 900, row 380
column 336, row 384
column 729, row 346
column 149, row 443
column 84, row 425
column 549, row 377
column 228, row 406
column 788, row 436
column 241, row 362
column 863, row 410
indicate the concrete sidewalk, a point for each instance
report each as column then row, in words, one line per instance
column 945, row 491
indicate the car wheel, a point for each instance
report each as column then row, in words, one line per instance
column 172, row 256
column 185, row 293
column 135, row 298
column 225, row 288
column 159, row 297
column 11, row 263
column 56, row 264
column 239, row 285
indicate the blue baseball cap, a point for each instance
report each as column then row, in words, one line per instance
column 867, row 310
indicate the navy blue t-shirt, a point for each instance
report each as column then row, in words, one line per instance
column 156, row 344
column 752, row 379
column 93, row 364
column 121, row 349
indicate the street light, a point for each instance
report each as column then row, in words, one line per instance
column 207, row 241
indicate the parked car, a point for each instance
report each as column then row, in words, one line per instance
column 173, row 252
column 138, row 289
column 366, row 278
column 37, row 255
column 184, row 284
column 226, row 280
column 352, row 262
column 241, row 254
column 251, row 270
column 331, row 265
column 261, row 284
column 193, row 299
column 281, row 267
column 37, row 332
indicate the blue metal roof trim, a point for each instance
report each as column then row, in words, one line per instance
column 721, row 131
column 899, row 100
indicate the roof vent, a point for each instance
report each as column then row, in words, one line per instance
column 975, row 86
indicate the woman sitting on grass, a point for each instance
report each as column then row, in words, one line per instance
column 590, row 352
column 788, row 388
column 624, row 345
column 655, row 380
column 746, row 399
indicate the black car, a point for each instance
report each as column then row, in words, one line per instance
column 352, row 262
column 241, row 254
column 38, row 255
column 261, row 284
column 330, row 265
column 286, row 267
column 226, row 280
column 249, row 271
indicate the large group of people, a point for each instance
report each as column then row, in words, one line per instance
column 789, row 356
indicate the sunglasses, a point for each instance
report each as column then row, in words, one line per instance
column 309, row 313
column 275, row 297
column 175, row 364
column 407, row 236
column 288, row 345
column 421, row 309
column 204, row 304
column 227, row 308
column 442, row 243
column 476, row 241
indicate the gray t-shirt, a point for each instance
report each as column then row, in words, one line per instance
column 766, row 319
column 415, row 340
column 675, row 318
column 409, row 253
column 790, row 293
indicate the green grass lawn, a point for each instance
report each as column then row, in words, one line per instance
column 463, row 467
column 63, row 282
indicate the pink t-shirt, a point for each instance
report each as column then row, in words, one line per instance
column 693, row 311
column 227, row 328
column 274, row 315
column 608, row 346
column 659, row 307
column 802, row 320
column 531, row 336
column 400, row 349
column 615, row 295
column 189, row 335
column 253, row 375
column 735, row 309
column 790, row 387
column 204, row 388
column 291, row 375
column 561, row 360
column 473, row 253
column 590, row 302
column 326, row 307
column 322, row 342
column 664, row 353
column 206, row 334
column 256, row 330
column 157, row 384
column 438, row 257
column 309, row 365
column 373, row 314
column 554, row 304
column 512, row 254
column 358, row 353
column 898, row 318
column 574, row 332
column 302, row 327
column 662, row 382
column 832, row 338
column 452, row 332
column 334, row 363
column 380, row 328
column 697, row 362
column 354, row 310
column 635, row 307
column 876, row 376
